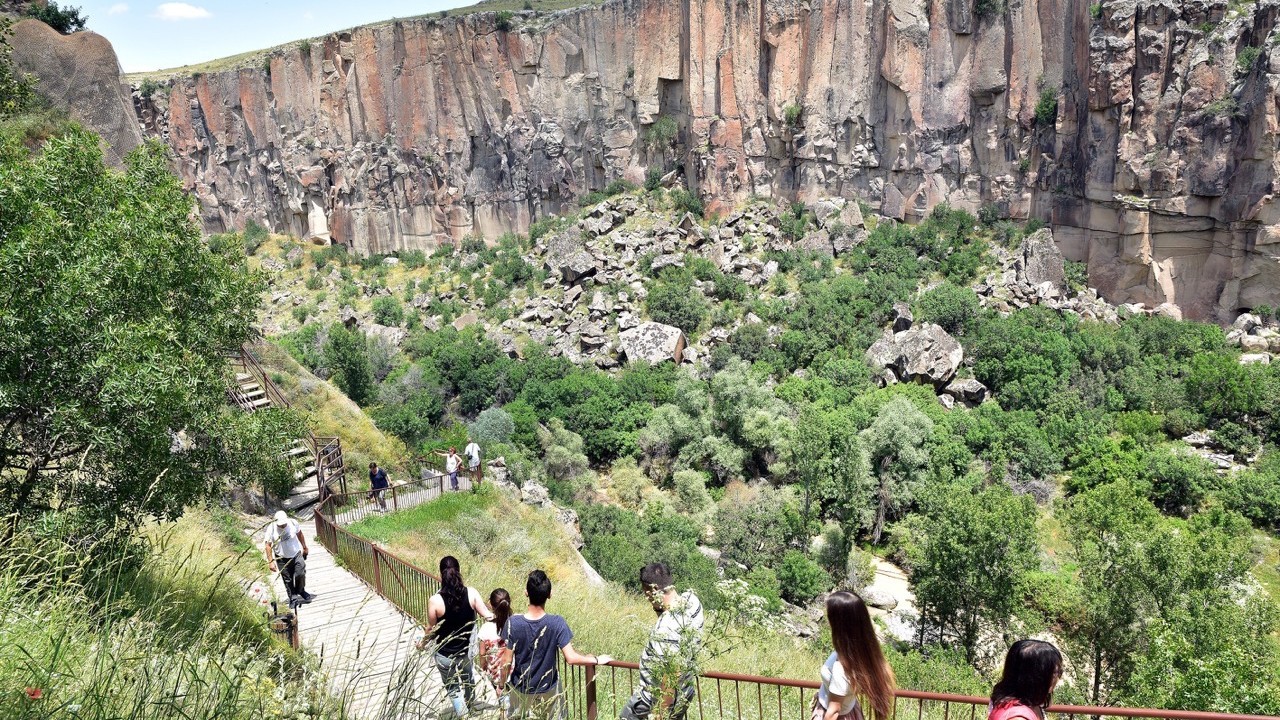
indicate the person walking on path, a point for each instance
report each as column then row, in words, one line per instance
column 378, row 484
column 472, row 451
column 451, row 615
column 494, row 655
column 534, row 638
column 451, row 464
column 1032, row 669
column 668, row 664
column 286, row 549
column 856, row 669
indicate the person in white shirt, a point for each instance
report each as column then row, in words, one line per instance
column 472, row 451
column 668, row 664
column 286, row 549
column 856, row 668
column 451, row 464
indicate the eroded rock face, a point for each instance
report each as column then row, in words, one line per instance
column 1157, row 171
column 80, row 73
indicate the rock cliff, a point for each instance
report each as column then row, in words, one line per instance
column 1144, row 130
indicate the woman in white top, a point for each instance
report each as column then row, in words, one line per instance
column 857, row 668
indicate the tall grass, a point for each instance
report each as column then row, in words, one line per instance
column 120, row 626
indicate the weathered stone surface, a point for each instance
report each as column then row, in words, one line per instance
column 80, row 73
column 567, row 258
column 925, row 353
column 1039, row 260
column 378, row 137
column 901, row 317
column 653, row 342
column 968, row 390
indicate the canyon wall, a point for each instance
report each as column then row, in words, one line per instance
column 1157, row 168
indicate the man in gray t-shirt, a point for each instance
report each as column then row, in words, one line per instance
column 534, row 638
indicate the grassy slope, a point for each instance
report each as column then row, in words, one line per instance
column 498, row 541
column 331, row 413
column 256, row 58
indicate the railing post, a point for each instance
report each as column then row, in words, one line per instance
column 591, row 692
column 377, row 570
column 395, row 504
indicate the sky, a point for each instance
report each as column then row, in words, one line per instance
column 152, row 35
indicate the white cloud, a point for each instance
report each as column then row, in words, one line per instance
column 181, row 11
column 118, row 9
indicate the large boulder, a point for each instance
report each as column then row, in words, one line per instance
column 567, row 258
column 1040, row 261
column 653, row 342
column 924, row 353
column 968, row 391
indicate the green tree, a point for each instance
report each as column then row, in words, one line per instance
column 675, row 302
column 65, row 20
column 896, row 444
column 492, row 426
column 969, row 563
column 115, row 323
column 800, row 578
column 388, row 311
column 953, row 307
column 17, row 91
column 346, row 355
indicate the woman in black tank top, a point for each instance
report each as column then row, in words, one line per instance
column 451, row 616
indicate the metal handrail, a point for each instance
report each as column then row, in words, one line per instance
column 583, row 686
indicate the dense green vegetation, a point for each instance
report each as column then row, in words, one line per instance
column 787, row 437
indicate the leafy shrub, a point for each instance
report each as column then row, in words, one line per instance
column 795, row 224
column 388, row 311
column 800, row 578
column 502, row 20
column 1047, row 107
column 953, row 307
column 763, row 582
column 65, row 20
column 413, row 259
column 749, row 341
column 618, row 187
column 254, row 236
column 684, row 201
column 148, row 87
column 661, row 133
column 1237, row 440
column 304, row 47
column 791, row 114
column 346, row 355
column 673, row 302
column 1095, row 10
column 492, row 426
column 1246, row 59
column 653, row 178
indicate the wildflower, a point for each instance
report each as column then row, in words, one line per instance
column 34, row 693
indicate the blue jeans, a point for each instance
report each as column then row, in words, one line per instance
column 458, row 680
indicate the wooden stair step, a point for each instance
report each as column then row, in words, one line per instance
column 261, row 402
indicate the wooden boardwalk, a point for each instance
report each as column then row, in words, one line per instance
column 367, row 647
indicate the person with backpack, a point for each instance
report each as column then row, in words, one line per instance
column 668, row 664
column 535, row 638
column 1032, row 669
column 451, row 615
column 494, row 656
column 856, row 668
column 286, row 549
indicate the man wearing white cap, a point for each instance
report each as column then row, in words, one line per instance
column 287, row 552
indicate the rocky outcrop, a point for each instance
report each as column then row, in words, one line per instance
column 923, row 353
column 79, row 73
column 1156, row 169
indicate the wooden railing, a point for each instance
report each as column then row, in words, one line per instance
column 327, row 451
column 591, row 692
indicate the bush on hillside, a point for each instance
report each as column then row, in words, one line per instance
column 673, row 301
column 492, row 426
column 388, row 311
column 800, row 578
column 65, row 20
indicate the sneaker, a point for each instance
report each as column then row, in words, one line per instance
column 306, row 597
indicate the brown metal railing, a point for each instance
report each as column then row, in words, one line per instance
column 327, row 451
column 594, row 692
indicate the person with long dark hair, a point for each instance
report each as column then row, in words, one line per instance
column 495, row 656
column 856, row 671
column 451, row 615
column 1032, row 669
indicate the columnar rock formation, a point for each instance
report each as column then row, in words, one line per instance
column 1156, row 168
